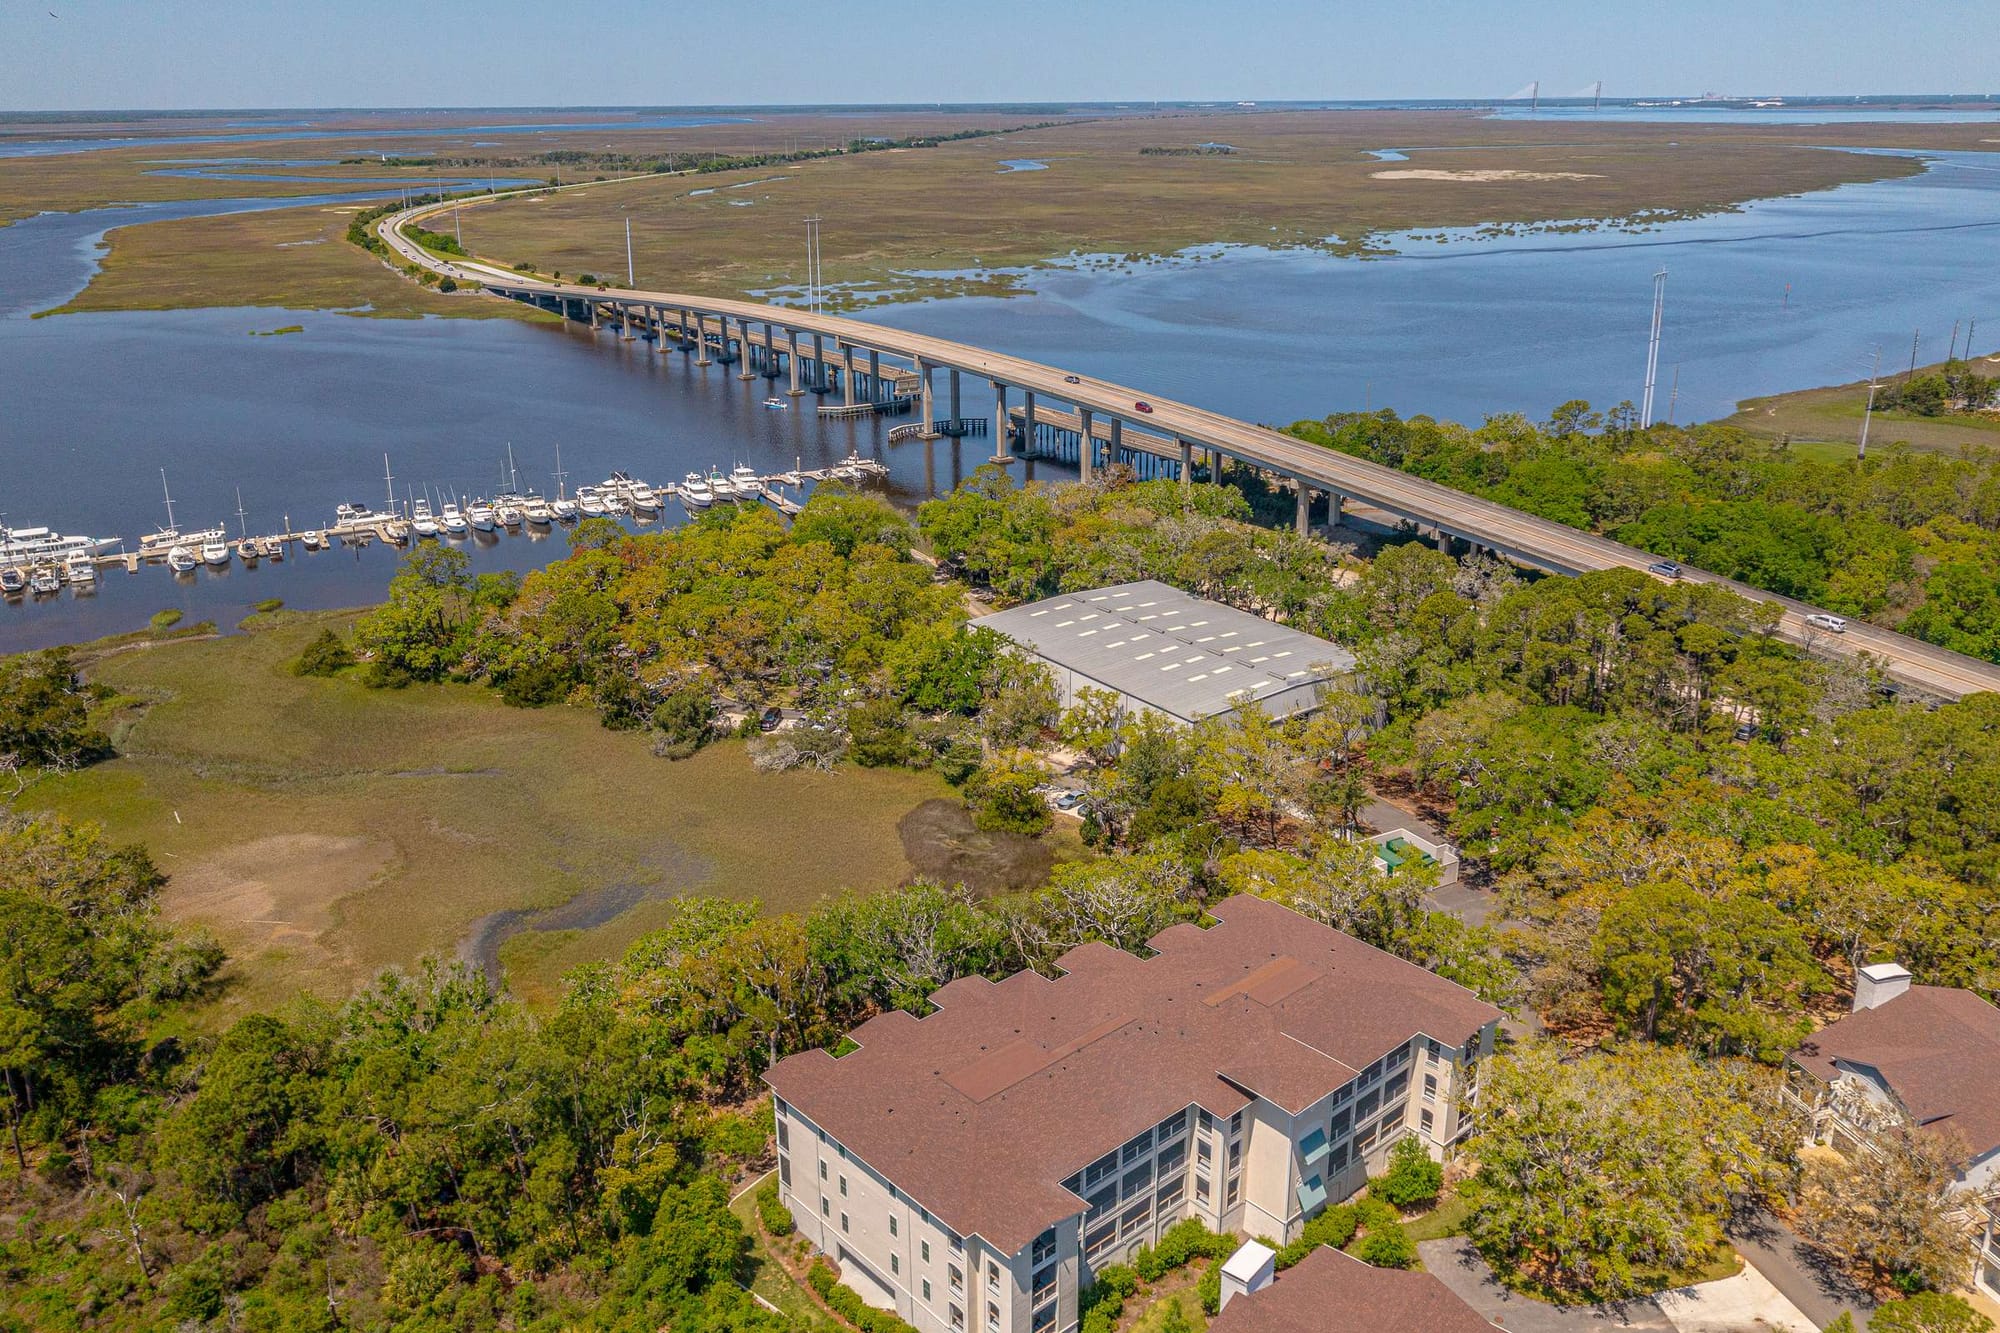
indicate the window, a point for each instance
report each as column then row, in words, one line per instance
column 1045, row 1319
column 1098, row 1237
column 1136, row 1180
column 843, row 1223
column 822, row 1170
column 1203, row 1152
column 1342, row 1120
column 992, row 1276
column 924, row 1250
column 1044, row 1249
column 1235, row 1155
column 1101, row 1202
column 1230, row 1197
column 1426, row 1120
column 1345, row 1095
column 1137, row 1148
column 1170, row 1195
column 1207, row 1121
column 957, row 1245
column 957, row 1317
column 1044, row 1285
column 1236, row 1123
column 927, row 1290
column 784, row 1171
column 1433, row 1049
column 1100, row 1169
column 895, row 1263
column 892, row 1224
column 784, row 1139
column 957, row 1278
column 825, row 1209
column 993, row 1317
column 1366, row 1106
column 1135, row 1218
column 1399, row 1057
column 843, row 1187
column 1430, row 1087
column 1340, row 1155
column 1173, row 1128
column 1172, row 1159
column 1201, row 1189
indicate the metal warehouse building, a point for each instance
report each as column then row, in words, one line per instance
column 1161, row 649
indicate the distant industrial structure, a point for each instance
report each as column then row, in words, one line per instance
column 1165, row 651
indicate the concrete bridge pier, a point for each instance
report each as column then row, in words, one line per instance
column 874, row 376
column 1028, row 423
column 1115, row 451
column 792, row 359
column 925, row 405
column 1005, row 456
column 624, row 322
column 1187, row 462
column 818, row 377
column 593, row 312
column 770, row 353
column 686, row 338
column 1303, row 520
column 951, row 391
column 1333, row 503
column 1086, row 447
column 701, row 341
column 746, row 351
column 848, row 382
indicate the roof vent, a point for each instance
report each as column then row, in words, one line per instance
column 1878, row 983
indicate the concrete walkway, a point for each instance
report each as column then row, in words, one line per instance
column 1747, row 1301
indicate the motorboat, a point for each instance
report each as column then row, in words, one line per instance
column 563, row 510
column 696, row 492
column 776, row 404
column 313, row 539
column 638, row 494
column 247, row 550
column 480, row 515
column 271, row 548
column 13, row 582
column 723, row 487
column 182, row 560
column 25, row 545
column 590, row 503
column 396, row 532
column 348, row 515
column 746, row 480
column 536, row 510
column 80, row 568
column 422, row 522
column 215, row 551
column 508, row 513
column 44, row 581
column 452, row 521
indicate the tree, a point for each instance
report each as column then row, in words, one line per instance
column 1020, row 701
column 1413, row 1176
column 45, row 713
column 1005, row 796
column 1888, row 1207
column 1250, row 768
column 424, row 630
column 1092, row 724
column 1600, row 1177
column 326, row 655
column 944, row 668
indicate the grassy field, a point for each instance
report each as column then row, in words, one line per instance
column 1826, row 422
column 326, row 831
column 1296, row 178
column 293, row 259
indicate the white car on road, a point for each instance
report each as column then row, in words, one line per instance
column 1831, row 624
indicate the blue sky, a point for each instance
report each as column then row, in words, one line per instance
column 298, row 53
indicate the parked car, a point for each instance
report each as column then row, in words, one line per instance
column 1831, row 624
column 770, row 719
column 1666, row 569
column 1745, row 731
column 1069, row 800
column 1143, row 406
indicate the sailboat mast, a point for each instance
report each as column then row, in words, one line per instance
column 242, row 527
column 561, row 476
column 170, row 500
column 389, row 482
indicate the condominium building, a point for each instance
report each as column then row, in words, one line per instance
column 973, row 1168
column 1928, row 1056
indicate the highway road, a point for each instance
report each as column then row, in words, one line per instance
column 1510, row 532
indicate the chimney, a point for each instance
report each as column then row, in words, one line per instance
column 1250, row 1269
column 1878, row 983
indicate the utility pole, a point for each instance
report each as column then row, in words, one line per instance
column 1952, row 351
column 631, row 278
column 1869, row 414
column 1653, row 349
column 1674, row 394
column 812, row 263
column 1915, row 338
column 1597, row 97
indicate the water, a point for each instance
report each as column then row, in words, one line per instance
column 1009, row 164
column 1743, row 115
column 95, row 405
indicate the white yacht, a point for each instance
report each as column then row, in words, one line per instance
column 215, row 550
column 723, row 487
column 746, row 480
column 507, row 512
column 643, row 497
column 590, row 503
column 247, row 550
column 345, row 515
column 536, row 510
column 563, row 509
column 19, row 546
column 452, row 521
column 13, row 582
column 422, row 522
column 480, row 515
column 80, row 568
column 313, row 539
column 695, row 492
column 181, row 560
column 396, row 532
column 44, row 581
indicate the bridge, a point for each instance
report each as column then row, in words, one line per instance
column 821, row 353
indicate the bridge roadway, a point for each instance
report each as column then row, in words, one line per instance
column 1521, row 537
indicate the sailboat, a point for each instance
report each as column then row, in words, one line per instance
column 162, row 541
column 562, row 508
column 247, row 548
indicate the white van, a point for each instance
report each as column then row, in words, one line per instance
column 1832, row 624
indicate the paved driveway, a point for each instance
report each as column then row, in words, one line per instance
column 1793, row 1267
column 1455, row 1263
column 1747, row 1301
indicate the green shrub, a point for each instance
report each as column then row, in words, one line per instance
column 166, row 619
column 1210, row 1287
column 270, row 604
column 777, row 1218
column 1371, row 1212
column 1929, row 1312
column 1412, row 1178
column 1184, row 1241
column 1387, row 1246
column 1335, row 1227
column 848, row 1305
column 325, row 656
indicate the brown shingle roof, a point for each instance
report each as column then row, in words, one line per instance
column 980, row 1110
column 1938, row 1048
column 1331, row 1292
